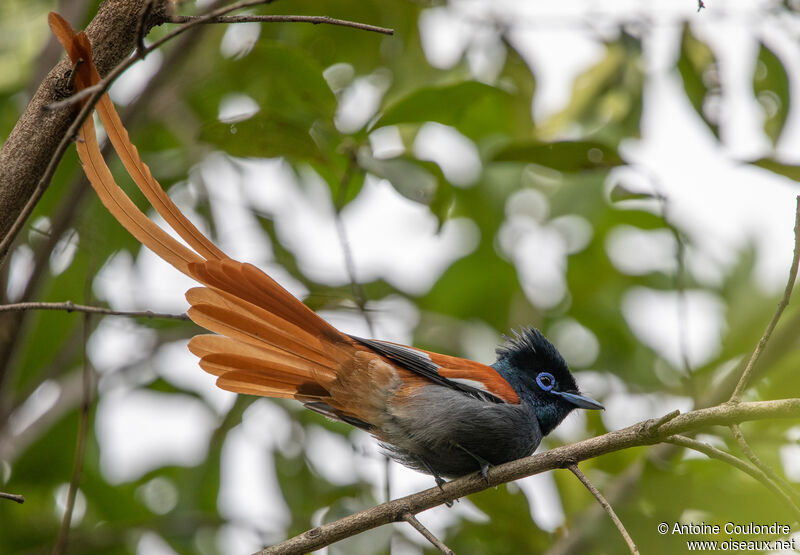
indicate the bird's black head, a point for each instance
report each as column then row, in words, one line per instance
column 541, row 378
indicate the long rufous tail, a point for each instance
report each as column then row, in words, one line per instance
column 269, row 343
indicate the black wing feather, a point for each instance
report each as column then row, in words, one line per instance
column 419, row 363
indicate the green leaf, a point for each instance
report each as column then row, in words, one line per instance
column 787, row 170
column 567, row 156
column 696, row 66
column 474, row 108
column 407, row 175
column 606, row 98
column 771, row 87
column 296, row 106
column 620, row 192
column 418, row 180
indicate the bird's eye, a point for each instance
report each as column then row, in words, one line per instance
column 545, row 380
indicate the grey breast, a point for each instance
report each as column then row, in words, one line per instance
column 448, row 433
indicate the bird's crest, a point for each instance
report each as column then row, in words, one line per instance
column 528, row 350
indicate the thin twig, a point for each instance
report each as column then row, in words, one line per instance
column 315, row 19
column 679, row 280
column 748, row 468
column 69, row 306
column 419, row 527
column 103, row 85
column 349, row 260
column 80, row 448
column 13, row 497
column 756, row 460
column 656, row 424
column 140, row 29
column 74, row 99
column 606, row 506
column 736, row 396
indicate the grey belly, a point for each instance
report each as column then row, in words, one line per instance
column 445, row 432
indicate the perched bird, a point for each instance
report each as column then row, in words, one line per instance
column 438, row 414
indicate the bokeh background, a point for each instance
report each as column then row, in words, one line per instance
column 618, row 174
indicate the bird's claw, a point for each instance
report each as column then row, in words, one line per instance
column 485, row 471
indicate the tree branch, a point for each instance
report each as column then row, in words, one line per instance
column 314, row 19
column 787, row 294
column 606, row 507
column 718, row 454
column 764, row 467
column 419, row 527
column 644, row 433
column 13, row 497
column 80, row 447
column 69, row 306
column 349, row 260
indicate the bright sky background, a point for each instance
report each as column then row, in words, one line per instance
column 722, row 204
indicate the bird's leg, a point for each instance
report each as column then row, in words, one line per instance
column 439, row 480
column 480, row 460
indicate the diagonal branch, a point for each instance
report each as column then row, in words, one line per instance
column 718, row 454
column 349, row 260
column 419, row 527
column 80, row 447
column 765, row 468
column 606, row 507
column 787, row 294
column 643, row 433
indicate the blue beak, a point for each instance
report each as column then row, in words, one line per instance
column 580, row 400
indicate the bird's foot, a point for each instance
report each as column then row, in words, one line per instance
column 484, row 464
column 439, row 482
column 485, row 471
column 438, row 479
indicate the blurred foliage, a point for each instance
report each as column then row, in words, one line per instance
column 771, row 87
column 698, row 69
column 296, row 76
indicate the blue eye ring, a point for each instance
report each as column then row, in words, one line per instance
column 546, row 381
